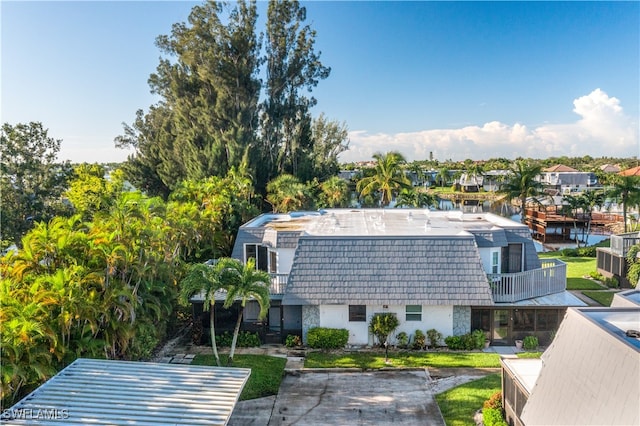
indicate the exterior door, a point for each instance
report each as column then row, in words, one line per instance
column 500, row 327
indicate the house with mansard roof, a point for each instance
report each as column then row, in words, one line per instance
column 447, row 270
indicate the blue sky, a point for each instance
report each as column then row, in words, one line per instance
column 456, row 79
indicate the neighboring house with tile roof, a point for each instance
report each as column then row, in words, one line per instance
column 447, row 270
column 566, row 179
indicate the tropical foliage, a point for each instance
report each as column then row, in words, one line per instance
column 388, row 178
column 522, row 183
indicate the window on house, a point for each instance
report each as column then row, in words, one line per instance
column 259, row 253
column 414, row 313
column 357, row 313
column 273, row 262
column 495, row 260
column 524, row 320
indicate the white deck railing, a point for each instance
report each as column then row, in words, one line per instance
column 278, row 283
column 551, row 278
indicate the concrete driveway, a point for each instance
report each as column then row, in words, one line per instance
column 369, row 398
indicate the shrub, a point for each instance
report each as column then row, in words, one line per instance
column 467, row 342
column 403, row 340
column 596, row 275
column 495, row 401
column 246, row 339
column 478, row 339
column 419, row 340
column 611, row 282
column 530, row 343
column 292, row 340
column 569, row 252
column 382, row 325
column 434, row 337
column 587, row 251
column 454, row 343
column 492, row 417
column 327, row 338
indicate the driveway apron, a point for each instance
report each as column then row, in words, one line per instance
column 369, row 398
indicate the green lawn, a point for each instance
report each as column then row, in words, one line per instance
column 602, row 297
column 458, row 405
column 375, row 360
column 266, row 372
column 577, row 269
column 529, row 354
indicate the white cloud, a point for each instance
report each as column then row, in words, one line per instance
column 602, row 130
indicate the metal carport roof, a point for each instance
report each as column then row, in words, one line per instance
column 131, row 393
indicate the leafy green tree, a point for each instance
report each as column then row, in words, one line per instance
column 522, row 183
column 209, row 87
column 286, row 194
column 627, row 190
column 243, row 282
column 382, row 325
column 89, row 191
column 388, row 178
column 31, row 182
column 292, row 67
column 334, row 193
column 330, row 138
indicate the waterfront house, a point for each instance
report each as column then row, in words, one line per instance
column 447, row 270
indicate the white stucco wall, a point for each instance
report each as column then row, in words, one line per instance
column 337, row 316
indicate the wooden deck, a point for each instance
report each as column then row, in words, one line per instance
column 551, row 224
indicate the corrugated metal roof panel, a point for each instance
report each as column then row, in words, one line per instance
column 133, row 393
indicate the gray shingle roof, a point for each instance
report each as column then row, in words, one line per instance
column 387, row 270
column 492, row 238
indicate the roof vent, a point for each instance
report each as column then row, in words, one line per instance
column 633, row 333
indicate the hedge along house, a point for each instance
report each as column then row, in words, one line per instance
column 450, row 271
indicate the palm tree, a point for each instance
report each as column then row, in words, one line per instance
column 243, row 282
column 627, row 189
column 335, row 192
column 286, row 193
column 443, row 176
column 522, row 183
column 410, row 197
column 388, row 178
column 205, row 279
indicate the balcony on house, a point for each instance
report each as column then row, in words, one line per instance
column 549, row 279
column 278, row 284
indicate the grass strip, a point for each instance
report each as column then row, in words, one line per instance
column 602, row 297
column 376, row 360
column 266, row 372
column 458, row 405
